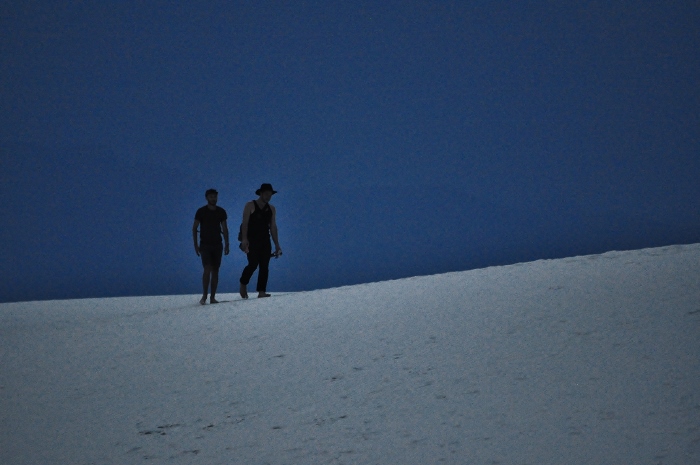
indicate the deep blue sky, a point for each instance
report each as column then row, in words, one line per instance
column 405, row 137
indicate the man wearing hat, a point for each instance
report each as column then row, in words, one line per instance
column 211, row 221
column 257, row 227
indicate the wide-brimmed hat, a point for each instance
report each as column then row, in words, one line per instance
column 265, row 187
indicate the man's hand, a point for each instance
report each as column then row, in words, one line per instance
column 278, row 252
column 244, row 247
column 226, row 250
column 196, row 249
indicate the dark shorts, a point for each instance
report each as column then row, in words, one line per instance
column 211, row 255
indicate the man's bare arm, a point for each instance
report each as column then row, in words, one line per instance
column 194, row 236
column 244, row 227
column 273, row 230
column 224, row 229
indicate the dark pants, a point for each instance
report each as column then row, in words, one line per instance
column 259, row 253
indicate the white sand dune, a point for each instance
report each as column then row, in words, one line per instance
column 586, row 360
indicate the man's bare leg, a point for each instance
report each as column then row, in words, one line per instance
column 205, row 284
column 214, row 285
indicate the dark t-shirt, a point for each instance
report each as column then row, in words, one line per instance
column 210, row 224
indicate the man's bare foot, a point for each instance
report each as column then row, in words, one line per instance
column 244, row 291
column 263, row 294
column 203, row 300
column 212, row 300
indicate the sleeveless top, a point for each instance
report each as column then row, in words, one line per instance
column 259, row 223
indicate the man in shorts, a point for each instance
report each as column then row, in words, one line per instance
column 211, row 221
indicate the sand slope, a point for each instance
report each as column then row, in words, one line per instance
column 585, row 360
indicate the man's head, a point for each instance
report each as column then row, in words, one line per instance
column 266, row 192
column 212, row 196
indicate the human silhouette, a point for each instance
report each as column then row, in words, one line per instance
column 211, row 220
column 257, row 227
